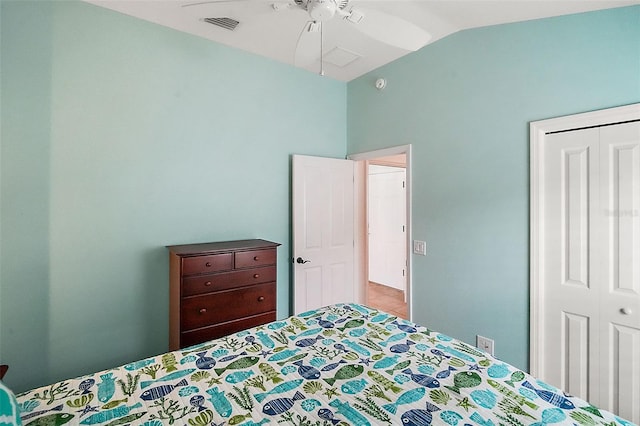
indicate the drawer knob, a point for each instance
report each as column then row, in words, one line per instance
column 256, row 275
column 261, row 299
column 256, row 258
column 208, row 264
column 203, row 311
column 207, row 284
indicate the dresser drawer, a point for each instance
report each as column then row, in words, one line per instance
column 201, row 311
column 249, row 259
column 224, row 281
column 200, row 335
column 207, row 264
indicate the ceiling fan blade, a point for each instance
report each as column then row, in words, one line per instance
column 200, row 3
column 388, row 29
column 309, row 44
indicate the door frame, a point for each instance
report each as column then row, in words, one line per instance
column 537, row 133
column 361, row 257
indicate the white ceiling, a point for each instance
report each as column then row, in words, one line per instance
column 274, row 33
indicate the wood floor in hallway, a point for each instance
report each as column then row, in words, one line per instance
column 387, row 299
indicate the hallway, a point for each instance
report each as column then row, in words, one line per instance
column 387, row 299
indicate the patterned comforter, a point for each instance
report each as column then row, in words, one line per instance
column 340, row 365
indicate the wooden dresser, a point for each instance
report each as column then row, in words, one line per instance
column 220, row 288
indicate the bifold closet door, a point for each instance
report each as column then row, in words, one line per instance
column 570, row 291
column 591, row 278
column 620, row 276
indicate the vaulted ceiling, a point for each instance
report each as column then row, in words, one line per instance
column 273, row 28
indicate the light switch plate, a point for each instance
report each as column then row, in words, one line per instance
column 420, row 247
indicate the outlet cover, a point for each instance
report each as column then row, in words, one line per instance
column 485, row 344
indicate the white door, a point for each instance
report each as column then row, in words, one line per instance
column 387, row 220
column 590, row 280
column 571, row 288
column 620, row 275
column 323, row 232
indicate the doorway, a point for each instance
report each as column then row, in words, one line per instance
column 382, row 207
column 386, row 226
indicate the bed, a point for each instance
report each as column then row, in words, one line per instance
column 344, row 364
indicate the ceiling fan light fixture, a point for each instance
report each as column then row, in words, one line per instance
column 322, row 10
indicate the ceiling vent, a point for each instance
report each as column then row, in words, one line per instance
column 340, row 57
column 226, row 23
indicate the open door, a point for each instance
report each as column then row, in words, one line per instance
column 323, row 232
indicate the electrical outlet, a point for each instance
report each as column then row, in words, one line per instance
column 485, row 344
column 420, row 247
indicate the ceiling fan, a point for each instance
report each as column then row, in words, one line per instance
column 378, row 25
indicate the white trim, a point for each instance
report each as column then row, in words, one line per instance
column 384, row 152
column 361, row 262
column 401, row 149
column 538, row 132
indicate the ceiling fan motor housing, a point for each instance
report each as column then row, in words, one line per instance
column 321, row 10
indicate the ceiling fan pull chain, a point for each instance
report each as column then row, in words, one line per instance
column 321, row 49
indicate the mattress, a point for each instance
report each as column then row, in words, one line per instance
column 344, row 364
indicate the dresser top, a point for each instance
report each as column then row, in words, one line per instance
column 222, row 246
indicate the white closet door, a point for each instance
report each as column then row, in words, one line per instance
column 591, row 266
column 620, row 285
column 570, row 307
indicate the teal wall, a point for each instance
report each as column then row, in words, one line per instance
column 465, row 103
column 120, row 137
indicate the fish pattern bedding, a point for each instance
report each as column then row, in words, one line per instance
column 345, row 364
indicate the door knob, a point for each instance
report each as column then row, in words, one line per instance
column 626, row 311
column 301, row 260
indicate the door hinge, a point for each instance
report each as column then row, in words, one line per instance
column 403, row 184
column 402, row 228
column 403, row 272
